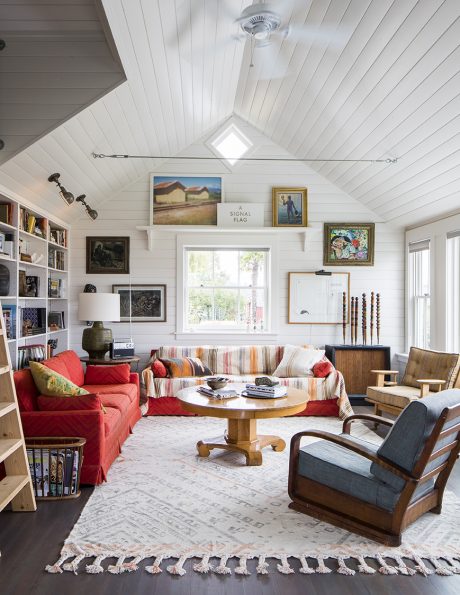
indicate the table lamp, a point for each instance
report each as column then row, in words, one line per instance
column 98, row 307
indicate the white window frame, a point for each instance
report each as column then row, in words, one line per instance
column 218, row 241
column 417, row 303
column 453, row 291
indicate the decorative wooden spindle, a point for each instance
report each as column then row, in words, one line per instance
column 355, row 322
column 372, row 318
column 378, row 317
column 344, row 317
column 352, row 319
column 364, row 319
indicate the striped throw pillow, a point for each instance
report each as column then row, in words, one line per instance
column 185, row 367
column 298, row 362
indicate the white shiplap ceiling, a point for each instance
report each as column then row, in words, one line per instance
column 375, row 79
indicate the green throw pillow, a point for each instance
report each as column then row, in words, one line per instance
column 52, row 384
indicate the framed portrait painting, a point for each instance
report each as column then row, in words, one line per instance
column 349, row 244
column 184, row 200
column 289, row 207
column 107, row 255
column 141, row 303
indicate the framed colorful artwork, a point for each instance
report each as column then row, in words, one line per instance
column 107, row 255
column 184, row 200
column 348, row 244
column 289, row 207
column 141, row 303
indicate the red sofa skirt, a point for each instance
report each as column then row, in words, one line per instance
column 172, row 406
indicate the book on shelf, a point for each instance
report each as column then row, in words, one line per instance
column 55, row 288
column 56, row 259
column 33, row 321
column 6, row 213
column 31, row 223
column 32, row 286
column 58, row 236
column 9, row 315
column 30, row 353
column 56, row 320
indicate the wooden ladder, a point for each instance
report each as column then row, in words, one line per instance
column 16, row 487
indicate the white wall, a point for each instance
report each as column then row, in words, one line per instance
column 436, row 232
column 250, row 182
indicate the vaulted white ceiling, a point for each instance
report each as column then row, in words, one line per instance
column 375, row 79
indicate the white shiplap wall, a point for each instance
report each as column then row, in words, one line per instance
column 251, row 182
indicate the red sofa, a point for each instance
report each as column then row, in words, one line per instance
column 105, row 432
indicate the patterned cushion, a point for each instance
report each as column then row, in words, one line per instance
column 423, row 363
column 298, row 361
column 107, row 374
column 51, row 383
column 322, row 369
column 184, row 367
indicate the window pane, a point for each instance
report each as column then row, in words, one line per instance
column 200, row 268
column 419, row 297
column 453, row 294
column 252, row 266
column 226, row 268
column 200, row 307
column 254, row 309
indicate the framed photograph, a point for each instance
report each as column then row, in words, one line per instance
column 348, row 244
column 289, row 207
column 107, row 255
column 142, row 303
column 318, row 299
column 184, row 200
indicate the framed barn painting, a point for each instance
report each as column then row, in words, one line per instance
column 141, row 303
column 107, row 255
column 349, row 244
column 289, row 207
column 184, row 200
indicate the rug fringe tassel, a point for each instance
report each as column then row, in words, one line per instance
column 284, row 567
column 403, row 568
column 364, row 567
column 440, row 568
column 204, row 566
column 421, row 567
column 177, row 569
column 322, row 568
column 56, row 568
column 118, row 567
column 95, row 567
column 455, row 567
column 155, row 568
column 262, row 566
column 222, row 568
column 343, row 568
column 304, row 568
column 73, row 566
column 242, row 568
column 384, row 567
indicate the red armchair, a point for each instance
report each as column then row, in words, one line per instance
column 105, row 431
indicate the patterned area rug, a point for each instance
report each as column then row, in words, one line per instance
column 162, row 501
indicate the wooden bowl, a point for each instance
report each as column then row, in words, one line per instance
column 216, row 383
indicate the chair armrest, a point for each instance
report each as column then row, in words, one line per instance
column 380, row 380
column 366, row 416
column 427, row 382
column 349, row 444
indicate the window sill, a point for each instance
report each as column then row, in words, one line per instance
column 221, row 333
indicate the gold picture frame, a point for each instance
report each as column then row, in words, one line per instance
column 348, row 244
column 290, row 207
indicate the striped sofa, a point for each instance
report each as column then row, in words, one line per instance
column 242, row 364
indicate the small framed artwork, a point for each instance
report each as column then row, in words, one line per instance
column 141, row 303
column 107, row 255
column 317, row 298
column 184, row 200
column 289, row 207
column 349, row 244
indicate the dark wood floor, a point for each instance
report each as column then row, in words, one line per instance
column 29, row 541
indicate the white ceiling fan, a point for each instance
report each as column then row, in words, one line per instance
column 265, row 25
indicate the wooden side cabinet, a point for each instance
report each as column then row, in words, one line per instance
column 356, row 362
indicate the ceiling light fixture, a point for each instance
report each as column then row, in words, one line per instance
column 92, row 214
column 66, row 196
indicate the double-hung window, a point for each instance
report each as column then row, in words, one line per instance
column 453, row 291
column 226, row 289
column 419, row 294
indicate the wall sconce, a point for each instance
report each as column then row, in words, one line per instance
column 66, row 196
column 92, row 214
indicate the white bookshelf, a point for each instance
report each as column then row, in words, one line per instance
column 46, row 243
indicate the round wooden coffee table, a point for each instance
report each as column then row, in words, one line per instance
column 242, row 414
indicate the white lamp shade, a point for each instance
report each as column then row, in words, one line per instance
column 99, row 306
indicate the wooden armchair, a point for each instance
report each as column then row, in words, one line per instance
column 377, row 491
column 427, row 372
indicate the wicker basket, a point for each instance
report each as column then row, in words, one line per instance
column 55, row 466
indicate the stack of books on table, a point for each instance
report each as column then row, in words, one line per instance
column 219, row 394
column 265, row 392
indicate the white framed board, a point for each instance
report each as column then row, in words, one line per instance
column 318, row 298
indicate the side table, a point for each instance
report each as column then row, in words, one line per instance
column 107, row 361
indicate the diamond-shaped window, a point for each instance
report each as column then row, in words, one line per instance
column 231, row 144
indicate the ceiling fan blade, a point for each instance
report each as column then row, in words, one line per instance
column 273, row 65
column 333, row 35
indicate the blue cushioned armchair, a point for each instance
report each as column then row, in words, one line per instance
column 377, row 491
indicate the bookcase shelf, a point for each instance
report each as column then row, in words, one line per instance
column 18, row 222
